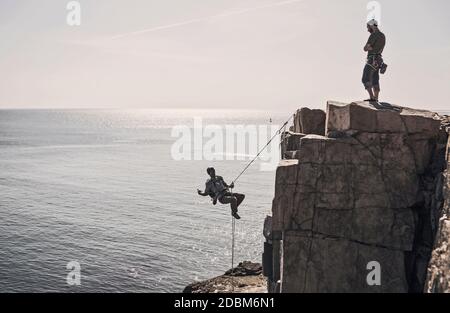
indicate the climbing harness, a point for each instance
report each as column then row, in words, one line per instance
column 375, row 61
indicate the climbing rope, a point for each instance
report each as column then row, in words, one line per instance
column 233, row 220
column 233, row 228
column 263, row 148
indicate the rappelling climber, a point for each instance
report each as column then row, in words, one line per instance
column 219, row 190
column 375, row 64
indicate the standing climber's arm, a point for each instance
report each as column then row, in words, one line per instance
column 370, row 43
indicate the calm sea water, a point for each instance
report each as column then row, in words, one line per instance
column 101, row 188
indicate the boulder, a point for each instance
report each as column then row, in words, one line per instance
column 307, row 121
column 383, row 118
column 245, row 278
column 290, row 143
column 245, row 268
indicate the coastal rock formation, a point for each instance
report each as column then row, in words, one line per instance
column 369, row 191
column 247, row 277
column 438, row 279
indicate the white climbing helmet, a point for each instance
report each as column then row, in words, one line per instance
column 372, row 22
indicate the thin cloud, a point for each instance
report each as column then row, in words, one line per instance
column 202, row 19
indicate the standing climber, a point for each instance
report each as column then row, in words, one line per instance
column 374, row 47
column 218, row 189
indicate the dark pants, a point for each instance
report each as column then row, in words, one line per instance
column 371, row 77
column 234, row 199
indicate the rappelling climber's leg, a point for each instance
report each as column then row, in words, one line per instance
column 240, row 197
column 229, row 198
column 234, row 200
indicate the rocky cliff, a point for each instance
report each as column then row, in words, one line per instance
column 438, row 279
column 360, row 187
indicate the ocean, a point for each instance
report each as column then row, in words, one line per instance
column 101, row 188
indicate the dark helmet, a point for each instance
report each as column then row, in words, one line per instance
column 209, row 169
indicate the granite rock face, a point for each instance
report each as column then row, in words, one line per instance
column 380, row 118
column 438, row 278
column 290, row 144
column 307, row 121
column 367, row 191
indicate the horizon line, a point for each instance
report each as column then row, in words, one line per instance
column 137, row 108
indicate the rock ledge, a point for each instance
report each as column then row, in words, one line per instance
column 245, row 278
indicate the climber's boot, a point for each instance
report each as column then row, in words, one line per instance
column 235, row 214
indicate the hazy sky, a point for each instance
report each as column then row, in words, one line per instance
column 254, row 54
